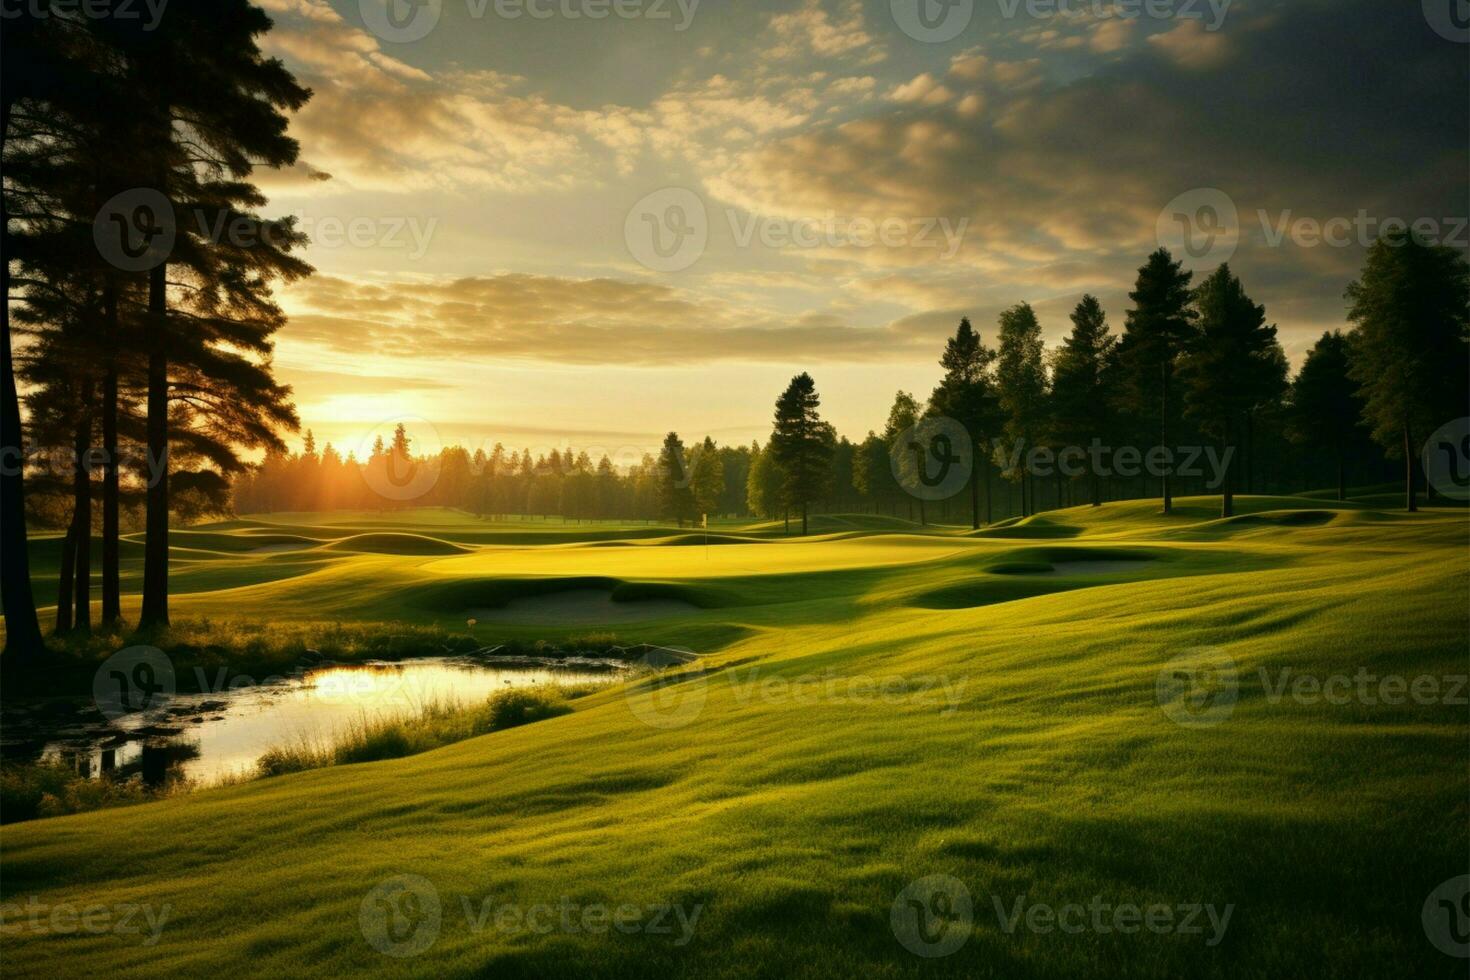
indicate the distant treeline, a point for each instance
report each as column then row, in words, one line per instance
column 1194, row 396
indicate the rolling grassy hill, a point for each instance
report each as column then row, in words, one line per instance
column 875, row 705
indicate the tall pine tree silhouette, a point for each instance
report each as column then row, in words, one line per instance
column 1410, row 355
column 1228, row 368
column 1159, row 328
column 801, row 444
column 1080, row 370
column 213, row 108
column 1325, row 407
column 967, row 395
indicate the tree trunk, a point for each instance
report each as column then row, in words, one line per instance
column 975, row 495
column 803, row 518
column 66, row 579
column 1164, row 489
column 1409, row 499
column 155, row 554
column 988, row 511
column 1227, row 488
column 82, row 494
column 111, row 588
column 1250, row 452
column 22, row 627
column 1341, row 470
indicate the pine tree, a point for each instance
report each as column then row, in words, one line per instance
column 967, row 395
column 872, row 476
column 211, row 108
column 1409, row 351
column 1021, row 389
column 903, row 415
column 674, row 495
column 1159, row 328
column 763, row 484
column 708, row 483
column 39, row 57
column 1325, row 407
column 1080, row 375
column 802, row 444
column 1230, row 368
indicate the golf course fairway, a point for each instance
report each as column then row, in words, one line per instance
column 1099, row 741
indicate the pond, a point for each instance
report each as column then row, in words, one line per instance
column 215, row 736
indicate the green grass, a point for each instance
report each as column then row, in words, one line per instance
column 875, row 704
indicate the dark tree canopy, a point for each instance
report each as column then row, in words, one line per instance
column 1231, row 366
column 1410, row 343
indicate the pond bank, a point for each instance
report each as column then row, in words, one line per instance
column 198, row 652
column 55, row 763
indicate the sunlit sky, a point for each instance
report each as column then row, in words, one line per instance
column 474, row 195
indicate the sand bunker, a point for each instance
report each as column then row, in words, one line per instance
column 1061, row 568
column 581, row 607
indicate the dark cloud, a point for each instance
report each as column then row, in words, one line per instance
column 1316, row 109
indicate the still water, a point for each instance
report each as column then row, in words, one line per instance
column 209, row 737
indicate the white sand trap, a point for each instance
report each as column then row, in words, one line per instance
column 581, row 607
column 1060, row 568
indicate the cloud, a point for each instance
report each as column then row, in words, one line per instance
column 557, row 319
column 1112, row 35
column 925, row 89
column 1063, row 178
column 811, row 30
column 375, row 122
column 1189, row 45
column 1059, row 152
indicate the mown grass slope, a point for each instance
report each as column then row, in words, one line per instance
column 898, row 704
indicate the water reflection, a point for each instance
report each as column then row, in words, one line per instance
column 209, row 737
